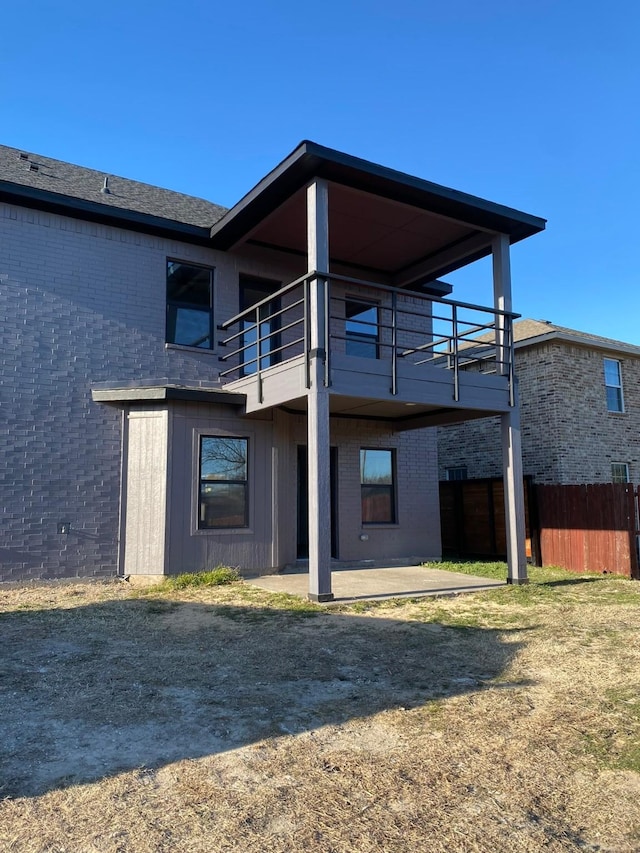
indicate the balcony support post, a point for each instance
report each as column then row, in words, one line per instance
column 318, row 423
column 510, row 421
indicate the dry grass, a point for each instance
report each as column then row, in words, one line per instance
column 229, row 719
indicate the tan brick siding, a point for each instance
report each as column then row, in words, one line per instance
column 568, row 436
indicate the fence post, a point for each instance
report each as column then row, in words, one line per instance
column 634, row 530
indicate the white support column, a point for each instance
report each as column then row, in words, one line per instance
column 319, row 443
column 510, row 425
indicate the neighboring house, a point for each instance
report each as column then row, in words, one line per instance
column 185, row 386
column 580, row 412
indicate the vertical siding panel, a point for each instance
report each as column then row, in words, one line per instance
column 144, row 529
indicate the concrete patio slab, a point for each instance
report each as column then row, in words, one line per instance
column 358, row 584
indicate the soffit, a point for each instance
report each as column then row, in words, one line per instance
column 364, row 230
column 378, row 218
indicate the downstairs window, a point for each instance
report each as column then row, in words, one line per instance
column 377, row 486
column 619, row 472
column 223, row 497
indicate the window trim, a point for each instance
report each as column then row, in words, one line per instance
column 392, row 487
column 454, row 469
column 617, row 387
column 626, row 472
column 196, row 528
column 169, row 344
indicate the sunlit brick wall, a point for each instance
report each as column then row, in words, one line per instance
column 568, row 436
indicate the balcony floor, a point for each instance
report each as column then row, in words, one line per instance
column 361, row 388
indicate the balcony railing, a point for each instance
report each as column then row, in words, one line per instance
column 369, row 320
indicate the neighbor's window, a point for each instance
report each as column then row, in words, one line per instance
column 189, row 305
column 457, row 473
column 619, row 472
column 613, row 385
column 377, row 486
column 361, row 328
column 223, row 482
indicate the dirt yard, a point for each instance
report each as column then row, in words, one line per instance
column 230, row 719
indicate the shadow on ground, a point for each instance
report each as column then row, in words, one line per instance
column 574, row 581
column 92, row 691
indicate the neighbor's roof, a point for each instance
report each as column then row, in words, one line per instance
column 529, row 332
column 32, row 177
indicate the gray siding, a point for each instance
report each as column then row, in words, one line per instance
column 145, row 495
column 191, row 549
column 270, row 540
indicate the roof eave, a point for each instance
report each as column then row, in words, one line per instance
column 160, row 393
column 579, row 340
column 311, row 160
column 65, row 205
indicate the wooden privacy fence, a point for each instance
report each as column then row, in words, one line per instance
column 586, row 528
column 590, row 528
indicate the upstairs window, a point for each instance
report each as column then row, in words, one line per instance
column 613, row 385
column 252, row 291
column 619, row 472
column 189, row 305
column 377, row 486
column 223, row 482
column 361, row 329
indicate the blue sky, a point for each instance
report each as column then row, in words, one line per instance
column 534, row 105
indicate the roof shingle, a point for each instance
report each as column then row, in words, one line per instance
column 526, row 330
column 66, row 179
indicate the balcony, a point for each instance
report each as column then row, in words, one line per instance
column 410, row 357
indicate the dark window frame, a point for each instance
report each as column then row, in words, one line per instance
column 173, row 305
column 267, row 286
column 380, row 488
column 202, row 481
column 353, row 336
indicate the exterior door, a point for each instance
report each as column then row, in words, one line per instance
column 303, row 502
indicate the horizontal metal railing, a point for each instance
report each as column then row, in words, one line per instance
column 408, row 326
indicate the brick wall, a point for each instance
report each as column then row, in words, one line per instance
column 417, row 532
column 568, row 436
column 82, row 304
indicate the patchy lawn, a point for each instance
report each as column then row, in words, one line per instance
column 224, row 718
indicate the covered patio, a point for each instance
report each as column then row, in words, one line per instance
column 366, row 329
column 373, row 583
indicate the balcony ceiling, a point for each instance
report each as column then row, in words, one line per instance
column 401, row 416
column 380, row 220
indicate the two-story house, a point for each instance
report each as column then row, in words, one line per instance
column 185, row 386
column 580, row 412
